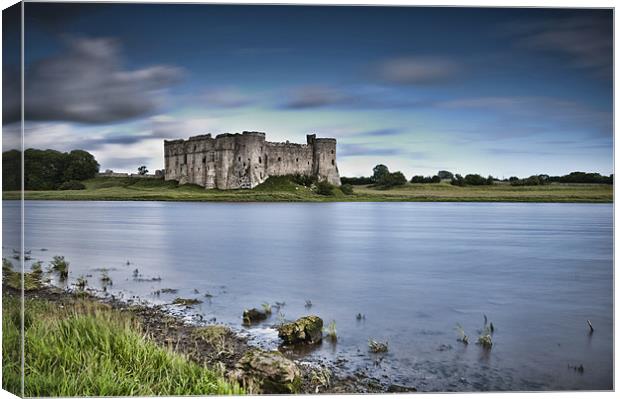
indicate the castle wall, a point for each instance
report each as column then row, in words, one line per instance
column 233, row 161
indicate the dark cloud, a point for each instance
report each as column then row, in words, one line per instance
column 380, row 132
column 56, row 16
column 88, row 84
column 417, row 70
column 311, row 97
column 124, row 139
column 314, row 97
column 587, row 42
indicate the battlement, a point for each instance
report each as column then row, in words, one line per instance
column 244, row 160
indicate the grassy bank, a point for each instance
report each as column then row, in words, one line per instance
column 282, row 189
column 80, row 347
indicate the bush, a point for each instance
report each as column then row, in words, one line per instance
column 324, row 188
column 458, row 180
column 475, row 180
column 72, row 185
column 392, row 180
column 356, row 181
column 303, row 180
column 422, row 179
column 346, row 189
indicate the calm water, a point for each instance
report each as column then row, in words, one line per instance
column 538, row 271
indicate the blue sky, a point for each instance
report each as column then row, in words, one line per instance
column 491, row 91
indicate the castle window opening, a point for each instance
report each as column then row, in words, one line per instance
column 279, row 159
column 333, row 162
column 244, row 164
column 185, row 158
column 332, row 151
column 204, row 159
column 296, row 159
column 239, row 159
column 194, row 148
column 260, row 160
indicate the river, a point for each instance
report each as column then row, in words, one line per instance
column 413, row 270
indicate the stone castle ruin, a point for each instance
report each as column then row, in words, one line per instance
column 245, row 160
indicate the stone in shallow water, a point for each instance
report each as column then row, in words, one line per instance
column 267, row 372
column 308, row 330
column 254, row 315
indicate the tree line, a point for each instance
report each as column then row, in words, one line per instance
column 383, row 178
column 47, row 169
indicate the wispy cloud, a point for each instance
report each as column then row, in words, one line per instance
column 349, row 97
column 534, row 115
column 314, row 97
column 380, row 132
column 586, row 41
column 418, row 70
column 225, row 97
column 88, row 84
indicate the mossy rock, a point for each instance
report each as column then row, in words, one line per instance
column 267, row 372
column 254, row 316
column 307, row 330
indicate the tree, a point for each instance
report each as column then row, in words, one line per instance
column 392, row 179
column 379, row 172
column 80, row 165
column 458, row 180
column 142, row 170
column 475, row 180
column 444, row 174
column 11, row 170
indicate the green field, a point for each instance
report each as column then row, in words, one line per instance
column 281, row 189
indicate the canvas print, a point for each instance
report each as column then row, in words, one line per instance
column 211, row 199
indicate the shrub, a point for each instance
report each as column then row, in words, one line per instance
column 72, row 185
column 392, row 180
column 356, row 181
column 347, row 189
column 324, row 188
column 304, row 180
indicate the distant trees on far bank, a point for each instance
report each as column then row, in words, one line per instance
column 47, row 169
column 383, row 178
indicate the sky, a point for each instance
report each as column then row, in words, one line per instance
column 500, row 91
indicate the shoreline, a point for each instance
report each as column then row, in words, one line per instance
column 16, row 197
column 215, row 346
column 286, row 190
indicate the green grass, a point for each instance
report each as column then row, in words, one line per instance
column 89, row 349
column 280, row 189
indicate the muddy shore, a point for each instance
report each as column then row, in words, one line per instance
column 220, row 348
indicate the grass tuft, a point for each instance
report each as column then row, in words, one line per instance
column 90, row 349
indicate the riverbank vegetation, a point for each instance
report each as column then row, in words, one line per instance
column 282, row 189
column 77, row 346
column 52, row 175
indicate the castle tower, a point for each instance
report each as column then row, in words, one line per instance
column 324, row 159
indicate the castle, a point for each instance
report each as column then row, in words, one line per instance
column 232, row 161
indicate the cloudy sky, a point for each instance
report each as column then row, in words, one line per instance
column 491, row 91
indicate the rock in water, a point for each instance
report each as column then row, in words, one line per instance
column 254, row 315
column 260, row 371
column 306, row 330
